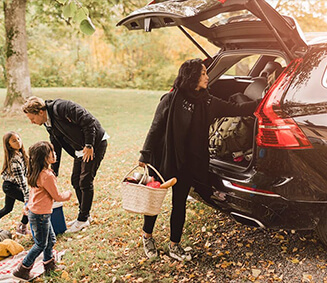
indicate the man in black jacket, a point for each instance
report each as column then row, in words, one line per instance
column 80, row 134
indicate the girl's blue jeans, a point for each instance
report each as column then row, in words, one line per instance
column 44, row 238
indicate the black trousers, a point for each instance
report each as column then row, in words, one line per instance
column 177, row 217
column 82, row 180
column 13, row 193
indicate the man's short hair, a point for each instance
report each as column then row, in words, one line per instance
column 33, row 105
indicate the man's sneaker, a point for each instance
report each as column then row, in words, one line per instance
column 22, row 229
column 77, row 226
column 70, row 223
column 149, row 247
column 177, row 252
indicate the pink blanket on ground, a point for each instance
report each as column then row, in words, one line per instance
column 10, row 263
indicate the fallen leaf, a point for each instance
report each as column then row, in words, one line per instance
column 65, row 275
column 142, row 260
column 295, row 260
column 188, row 249
column 255, row 272
column 306, row 278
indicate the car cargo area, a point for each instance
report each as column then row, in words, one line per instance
column 232, row 139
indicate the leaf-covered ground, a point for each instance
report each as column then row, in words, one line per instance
column 110, row 250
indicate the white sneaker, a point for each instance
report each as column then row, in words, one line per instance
column 191, row 199
column 149, row 246
column 177, row 252
column 70, row 223
column 77, row 226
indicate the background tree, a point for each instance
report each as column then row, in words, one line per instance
column 17, row 72
column 16, row 67
column 60, row 54
column 310, row 14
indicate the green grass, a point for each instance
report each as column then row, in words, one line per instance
column 109, row 250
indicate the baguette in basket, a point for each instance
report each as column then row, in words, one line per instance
column 168, row 183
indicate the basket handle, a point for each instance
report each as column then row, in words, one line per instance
column 129, row 172
column 146, row 172
column 157, row 172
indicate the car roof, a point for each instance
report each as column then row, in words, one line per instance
column 316, row 37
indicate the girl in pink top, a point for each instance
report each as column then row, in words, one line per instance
column 42, row 194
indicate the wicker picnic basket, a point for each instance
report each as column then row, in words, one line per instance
column 138, row 198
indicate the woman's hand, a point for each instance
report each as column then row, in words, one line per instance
column 142, row 164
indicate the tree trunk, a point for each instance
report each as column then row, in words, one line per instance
column 18, row 78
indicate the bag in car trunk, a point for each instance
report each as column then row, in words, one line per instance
column 231, row 138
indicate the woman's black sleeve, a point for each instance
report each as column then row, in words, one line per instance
column 156, row 132
column 222, row 108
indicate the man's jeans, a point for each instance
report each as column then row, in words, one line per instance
column 44, row 238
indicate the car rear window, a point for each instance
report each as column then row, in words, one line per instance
column 229, row 18
column 243, row 67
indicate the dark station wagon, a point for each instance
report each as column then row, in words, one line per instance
column 280, row 181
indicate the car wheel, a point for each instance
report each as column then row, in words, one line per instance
column 321, row 230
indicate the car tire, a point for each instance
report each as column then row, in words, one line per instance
column 321, row 230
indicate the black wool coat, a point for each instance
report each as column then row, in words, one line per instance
column 157, row 148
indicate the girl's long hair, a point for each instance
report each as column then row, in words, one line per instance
column 9, row 152
column 189, row 74
column 39, row 154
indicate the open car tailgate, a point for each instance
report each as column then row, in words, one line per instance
column 193, row 13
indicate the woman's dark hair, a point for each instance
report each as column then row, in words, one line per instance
column 39, row 154
column 189, row 74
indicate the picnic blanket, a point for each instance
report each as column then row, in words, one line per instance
column 10, row 263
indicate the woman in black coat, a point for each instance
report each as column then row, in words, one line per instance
column 177, row 144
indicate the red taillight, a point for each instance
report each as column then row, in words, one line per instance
column 276, row 129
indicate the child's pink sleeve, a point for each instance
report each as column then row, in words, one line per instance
column 50, row 184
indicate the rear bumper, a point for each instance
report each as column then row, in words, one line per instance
column 267, row 210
